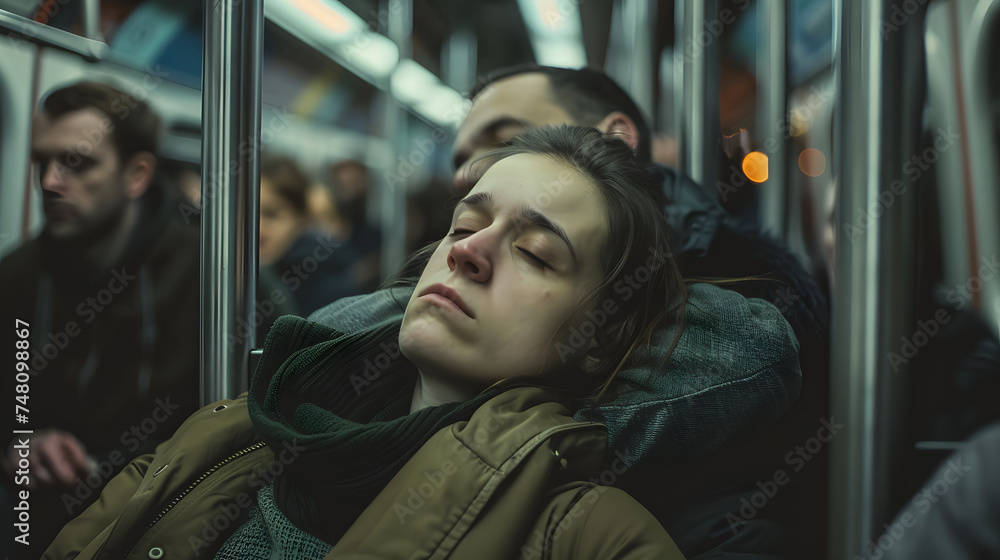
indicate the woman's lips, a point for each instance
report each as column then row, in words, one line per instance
column 447, row 297
column 443, row 302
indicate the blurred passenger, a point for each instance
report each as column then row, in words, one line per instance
column 108, row 300
column 951, row 354
column 955, row 514
column 349, row 183
column 314, row 267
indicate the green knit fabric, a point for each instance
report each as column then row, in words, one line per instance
column 344, row 400
column 268, row 534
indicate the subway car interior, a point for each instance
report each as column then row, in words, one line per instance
column 302, row 150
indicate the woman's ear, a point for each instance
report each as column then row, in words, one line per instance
column 139, row 174
column 622, row 126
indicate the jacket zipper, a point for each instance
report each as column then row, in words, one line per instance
column 191, row 487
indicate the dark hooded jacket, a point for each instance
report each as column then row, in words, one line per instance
column 711, row 243
column 114, row 352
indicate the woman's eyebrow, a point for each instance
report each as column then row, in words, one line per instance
column 479, row 201
column 536, row 218
column 482, row 200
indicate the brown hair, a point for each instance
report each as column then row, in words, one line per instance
column 288, row 180
column 136, row 127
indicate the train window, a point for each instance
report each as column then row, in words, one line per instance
column 65, row 15
column 154, row 34
column 93, row 20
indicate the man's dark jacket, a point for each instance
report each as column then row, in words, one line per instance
column 114, row 352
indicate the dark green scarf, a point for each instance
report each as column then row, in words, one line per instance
column 345, row 399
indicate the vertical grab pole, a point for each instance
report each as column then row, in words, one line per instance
column 853, row 366
column 230, row 113
column 698, row 117
column 638, row 19
column 772, row 108
column 92, row 20
column 876, row 133
column 393, row 200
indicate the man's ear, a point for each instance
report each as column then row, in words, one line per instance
column 139, row 174
column 621, row 125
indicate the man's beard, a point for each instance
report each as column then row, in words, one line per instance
column 91, row 233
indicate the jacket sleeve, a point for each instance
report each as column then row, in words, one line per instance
column 102, row 514
column 616, row 527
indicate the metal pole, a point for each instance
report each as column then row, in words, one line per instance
column 92, row 20
column 393, row 200
column 878, row 120
column 231, row 107
column 772, row 112
column 697, row 56
column 638, row 18
column 458, row 59
column 982, row 144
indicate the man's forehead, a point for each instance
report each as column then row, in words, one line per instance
column 89, row 125
column 523, row 98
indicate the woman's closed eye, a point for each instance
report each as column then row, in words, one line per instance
column 532, row 256
column 460, row 232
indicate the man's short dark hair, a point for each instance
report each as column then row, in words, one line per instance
column 587, row 95
column 136, row 125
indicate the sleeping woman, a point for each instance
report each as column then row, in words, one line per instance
column 449, row 434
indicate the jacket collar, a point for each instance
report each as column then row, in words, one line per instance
column 522, row 442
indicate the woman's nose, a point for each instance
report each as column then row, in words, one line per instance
column 471, row 256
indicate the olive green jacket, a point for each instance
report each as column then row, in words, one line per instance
column 509, row 483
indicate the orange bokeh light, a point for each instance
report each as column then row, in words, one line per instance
column 812, row 162
column 755, row 167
